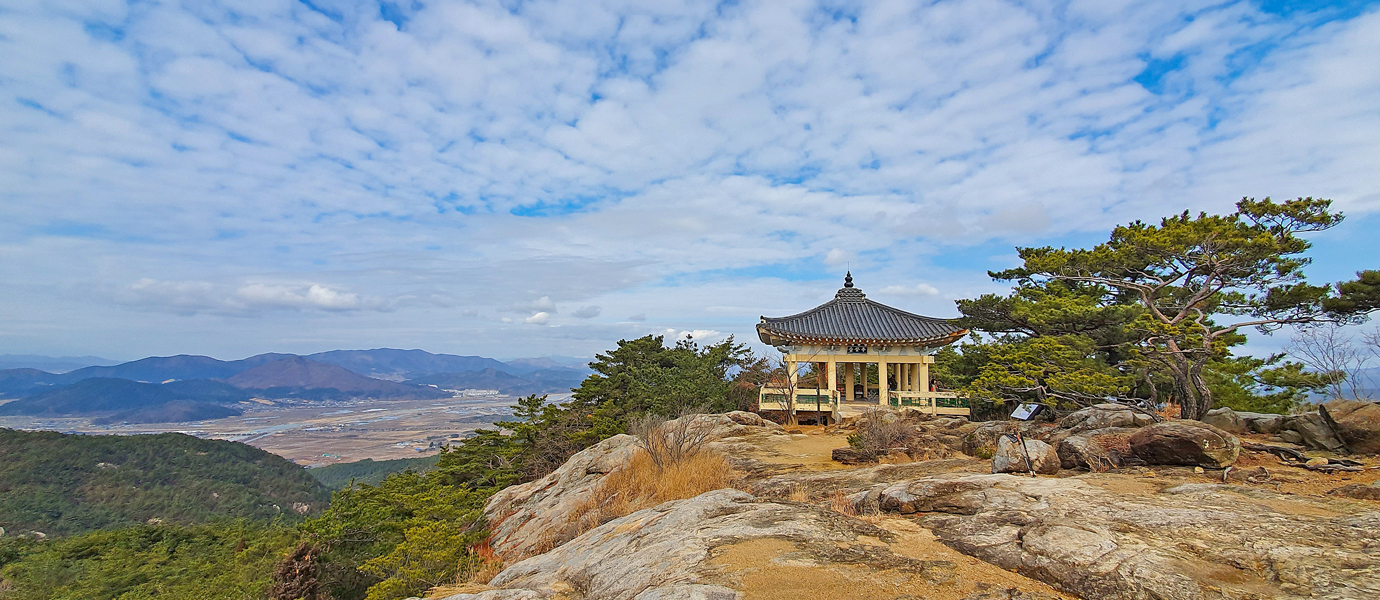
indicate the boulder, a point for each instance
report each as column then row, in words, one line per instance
column 1010, row 457
column 1185, row 442
column 1102, row 416
column 1291, row 436
column 1094, row 449
column 1189, row 542
column 1356, row 423
column 1314, row 432
column 1263, row 422
column 1225, row 419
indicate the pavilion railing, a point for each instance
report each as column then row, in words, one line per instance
column 805, row 399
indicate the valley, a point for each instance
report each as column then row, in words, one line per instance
column 321, row 433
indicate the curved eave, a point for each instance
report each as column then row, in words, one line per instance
column 777, row 338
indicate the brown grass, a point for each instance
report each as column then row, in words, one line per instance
column 641, row 484
column 839, row 502
column 1170, row 411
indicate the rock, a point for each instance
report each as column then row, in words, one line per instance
column 1010, row 457
column 533, row 517
column 1315, row 462
column 1262, row 422
column 668, row 552
column 1102, row 416
column 851, row 456
column 1314, row 432
column 1093, row 450
column 1225, row 419
column 536, row 516
column 1190, row 542
column 1359, row 491
column 1291, row 436
column 1185, row 442
column 1356, row 423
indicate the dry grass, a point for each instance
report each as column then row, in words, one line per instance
column 1170, row 411
column 641, row 484
column 839, row 502
column 798, row 494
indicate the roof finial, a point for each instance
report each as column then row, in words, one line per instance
column 848, row 279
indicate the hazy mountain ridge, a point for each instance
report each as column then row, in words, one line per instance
column 201, row 387
column 123, row 400
column 289, row 377
column 52, row 364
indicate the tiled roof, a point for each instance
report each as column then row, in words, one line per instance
column 850, row 318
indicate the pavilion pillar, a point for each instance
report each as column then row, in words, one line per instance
column 833, row 379
column 848, row 369
column 915, row 377
column 883, row 387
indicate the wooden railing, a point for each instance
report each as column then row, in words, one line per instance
column 805, row 399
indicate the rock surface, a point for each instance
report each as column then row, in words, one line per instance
column 1314, row 432
column 1357, row 424
column 1102, row 416
column 1185, row 442
column 1187, row 542
column 1226, row 419
column 676, row 551
column 1011, row 456
column 534, row 517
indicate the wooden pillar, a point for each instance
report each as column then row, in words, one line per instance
column 883, row 388
column 848, row 381
column 833, row 378
column 924, row 379
column 915, row 377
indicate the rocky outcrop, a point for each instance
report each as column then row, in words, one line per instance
column 533, row 517
column 1313, row 432
column 668, row 552
column 1188, row 542
column 1024, row 457
column 1226, row 419
column 1262, row 422
column 1357, row 424
column 536, row 516
column 1185, row 442
column 1102, row 416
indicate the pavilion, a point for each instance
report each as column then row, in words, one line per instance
column 851, row 340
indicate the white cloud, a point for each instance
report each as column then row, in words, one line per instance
column 690, row 160
column 919, row 289
column 586, row 312
column 538, row 319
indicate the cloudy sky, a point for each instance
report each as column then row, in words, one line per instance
column 543, row 178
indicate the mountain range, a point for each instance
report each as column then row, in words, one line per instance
column 189, row 387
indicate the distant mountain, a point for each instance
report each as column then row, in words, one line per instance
column 52, row 364
column 156, row 369
column 15, row 383
column 294, row 378
column 122, row 400
column 520, row 366
column 401, row 365
column 536, row 382
column 66, row 484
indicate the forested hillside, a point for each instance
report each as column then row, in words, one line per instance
column 61, row 484
column 369, row 471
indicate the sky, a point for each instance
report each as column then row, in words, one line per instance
column 545, row 178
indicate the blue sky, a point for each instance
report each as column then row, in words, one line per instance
column 544, row 178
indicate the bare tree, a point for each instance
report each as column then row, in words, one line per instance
column 1328, row 348
column 669, row 442
column 782, row 378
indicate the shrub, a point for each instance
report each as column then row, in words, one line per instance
column 878, row 434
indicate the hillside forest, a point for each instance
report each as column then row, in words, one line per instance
column 1152, row 317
